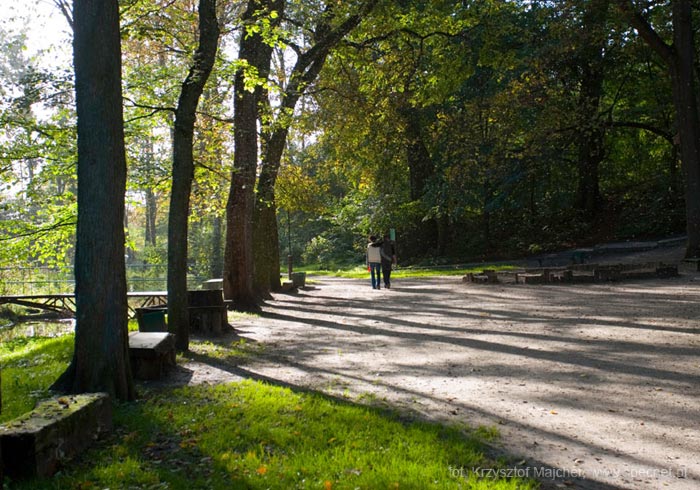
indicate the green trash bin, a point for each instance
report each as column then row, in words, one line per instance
column 151, row 319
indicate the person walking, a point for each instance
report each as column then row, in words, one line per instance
column 387, row 250
column 374, row 261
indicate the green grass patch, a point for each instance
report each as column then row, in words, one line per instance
column 226, row 352
column 251, row 435
column 360, row 272
column 29, row 366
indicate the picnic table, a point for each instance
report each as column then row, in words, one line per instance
column 206, row 308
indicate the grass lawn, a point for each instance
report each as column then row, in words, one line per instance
column 29, row 366
column 360, row 272
column 249, row 435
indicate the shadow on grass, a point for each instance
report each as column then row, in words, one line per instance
column 260, row 434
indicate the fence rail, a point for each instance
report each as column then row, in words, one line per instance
column 48, row 280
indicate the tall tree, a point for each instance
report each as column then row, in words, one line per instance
column 183, row 171
column 679, row 58
column 255, row 54
column 100, row 361
column 331, row 27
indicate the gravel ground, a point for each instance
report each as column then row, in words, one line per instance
column 590, row 385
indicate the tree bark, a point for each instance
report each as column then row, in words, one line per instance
column 679, row 59
column 100, row 360
column 238, row 258
column 183, row 171
column 265, row 232
column 216, row 262
column 420, row 163
column 421, row 169
column 591, row 149
column 151, row 213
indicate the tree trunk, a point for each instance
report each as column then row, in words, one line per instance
column 100, row 360
column 685, row 96
column 420, row 165
column 239, row 259
column 591, row 149
column 183, row 172
column 421, row 169
column 265, row 232
column 216, row 261
column 679, row 59
column 151, row 213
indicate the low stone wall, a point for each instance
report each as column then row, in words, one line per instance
column 39, row 442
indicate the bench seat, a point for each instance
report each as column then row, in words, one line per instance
column 151, row 354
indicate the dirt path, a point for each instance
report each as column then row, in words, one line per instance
column 597, row 385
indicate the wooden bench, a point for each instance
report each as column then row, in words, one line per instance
column 565, row 275
column 37, row 443
column 151, row 354
column 487, row 276
column 542, row 275
column 607, row 273
column 529, row 278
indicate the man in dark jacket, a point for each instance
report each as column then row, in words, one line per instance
column 388, row 253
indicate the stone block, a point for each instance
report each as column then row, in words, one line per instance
column 151, row 354
column 38, row 443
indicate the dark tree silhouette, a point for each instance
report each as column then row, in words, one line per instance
column 100, row 361
column 679, row 57
column 183, row 171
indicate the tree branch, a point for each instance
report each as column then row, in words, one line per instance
column 65, row 8
column 646, row 31
column 41, row 231
column 153, row 109
column 668, row 136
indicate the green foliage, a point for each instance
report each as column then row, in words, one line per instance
column 319, row 251
column 493, row 94
column 37, row 148
column 155, row 255
column 331, row 250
